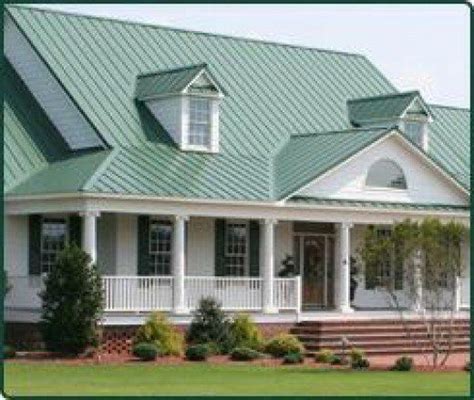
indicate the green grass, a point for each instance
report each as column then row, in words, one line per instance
column 204, row 379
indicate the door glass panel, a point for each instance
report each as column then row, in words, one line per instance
column 330, row 271
column 314, row 271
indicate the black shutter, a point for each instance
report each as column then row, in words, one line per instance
column 254, row 250
column 75, row 230
column 219, row 247
column 34, row 244
column 143, row 246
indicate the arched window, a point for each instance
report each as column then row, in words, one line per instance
column 386, row 174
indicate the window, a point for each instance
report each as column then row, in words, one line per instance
column 199, row 121
column 386, row 174
column 236, row 249
column 53, row 241
column 160, row 247
column 414, row 131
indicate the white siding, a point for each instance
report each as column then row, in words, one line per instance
column 59, row 107
column 106, row 243
column 168, row 112
column 16, row 245
column 126, row 241
column 201, row 243
column 425, row 185
column 283, row 243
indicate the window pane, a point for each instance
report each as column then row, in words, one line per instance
column 236, row 249
column 386, row 173
column 199, row 121
column 414, row 131
column 160, row 247
column 53, row 240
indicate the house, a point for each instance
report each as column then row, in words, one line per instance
column 190, row 164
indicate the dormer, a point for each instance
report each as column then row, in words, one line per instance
column 406, row 110
column 186, row 103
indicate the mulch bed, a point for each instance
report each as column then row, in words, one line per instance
column 456, row 362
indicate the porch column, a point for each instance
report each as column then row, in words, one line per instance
column 179, row 263
column 343, row 298
column 89, row 233
column 268, row 243
column 418, row 285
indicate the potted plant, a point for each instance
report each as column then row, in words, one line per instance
column 288, row 269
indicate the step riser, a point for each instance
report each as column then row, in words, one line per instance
column 396, row 352
column 368, row 338
column 347, row 331
column 381, row 345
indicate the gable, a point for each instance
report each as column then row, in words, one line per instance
column 425, row 184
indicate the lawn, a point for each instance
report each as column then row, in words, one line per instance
column 204, row 379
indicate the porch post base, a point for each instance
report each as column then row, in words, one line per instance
column 270, row 310
column 181, row 311
column 345, row 309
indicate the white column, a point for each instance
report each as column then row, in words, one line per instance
column 343, row 298
column 267, row 244
column 89, row 233
column 179, row 263
column 418, row 285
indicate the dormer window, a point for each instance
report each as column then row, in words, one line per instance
column 199, row 121
column 186, row 103
column 414, row 130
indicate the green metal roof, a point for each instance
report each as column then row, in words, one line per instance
column 166, row 82
column 305, row 157
column 380, row 108
column 273, row 91
column 301, row 200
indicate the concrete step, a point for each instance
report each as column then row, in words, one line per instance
column 379, row 344
column 382, row 336
column 346, row 330
column 396, row 351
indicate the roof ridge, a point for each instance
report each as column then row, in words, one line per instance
column 382, row 96
column 171, row 28
column 356, row 129
column 450, row 107
column 171, row 70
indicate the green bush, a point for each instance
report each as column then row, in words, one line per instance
column 8, row 352
column 158, row 331
column 403, row 364
column 210, row 325
column 245, row 333
column 467, row 367
column 356, row 354
column 293, row 357
column 244, row 354
column 360, row 363
column 198, row 352
column 336, row 360
column 283, row 344
column 71, row 303
column 146, row 351
column 325, row 356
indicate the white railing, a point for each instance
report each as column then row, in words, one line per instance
column 233, row 293
column 287, row 293
column 138, row 293
column 24, row 292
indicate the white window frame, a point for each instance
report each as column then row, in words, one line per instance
column 207, row 143
column 385, row 188
column 46, row 219
column 151, row 253
column 246, row 256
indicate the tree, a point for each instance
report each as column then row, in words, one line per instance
column 71, row 303
column 427, row 259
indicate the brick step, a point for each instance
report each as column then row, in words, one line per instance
column 297, row 330
column 368, row 336
column 365, row 322
column 398, row 350
column 380, row 344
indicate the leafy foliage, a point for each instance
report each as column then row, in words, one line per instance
column 356, row 354
column 244, row 354
column 293, row 357
column 71, row 303
column 8, row 352
column 324, row 356
column 198, row 352
column 283, row 344
column 158, row 331
column 362, row 363
column 210, row 325
column 336, row 360
column 245, row 333
column 403, row 364
column 146, row 351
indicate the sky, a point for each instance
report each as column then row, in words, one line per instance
column 424, row 47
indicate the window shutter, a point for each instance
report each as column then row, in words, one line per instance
column 143, row 236
column 254, row 251
column 34, row 243
column 219, row 247
column 75, row 230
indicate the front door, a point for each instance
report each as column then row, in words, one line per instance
column 317, row 265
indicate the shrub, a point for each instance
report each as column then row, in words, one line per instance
column 467, row 367
column 283, row 344
column 360, row 363
column 324, row 356
column 158, row 331
column 336, row 360
column 356, row 354
column 244, row 354
column 8, row 352
column 403, row 364
column 210, row 324
column 71, row 303
column 145, row 351
column 293, row 357
column 198, row 352
column 244, row 333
